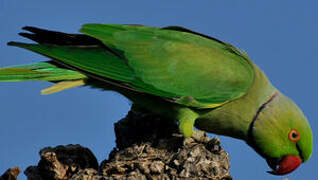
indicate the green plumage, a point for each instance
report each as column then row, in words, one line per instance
column 160, row 58
column 42, row 71
column 179, row 74
column 154, row 61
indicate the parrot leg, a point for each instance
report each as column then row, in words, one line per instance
column 186, row 118
column 183, row 115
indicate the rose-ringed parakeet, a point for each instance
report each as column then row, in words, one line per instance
column 179, row 74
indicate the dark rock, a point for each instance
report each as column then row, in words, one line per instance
column 148, row 147
column 11, row 174
column 32, row 172
column 62, row 162
column 87, row 174
column 138, row 127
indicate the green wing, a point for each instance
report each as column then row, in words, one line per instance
column 201, row 72
column 175, row 63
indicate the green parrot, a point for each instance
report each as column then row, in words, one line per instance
column 178, row 74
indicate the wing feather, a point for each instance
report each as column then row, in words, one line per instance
column 202, row 72
column 174, row 63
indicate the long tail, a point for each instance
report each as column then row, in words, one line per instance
column 63, row 76
column 43, row 71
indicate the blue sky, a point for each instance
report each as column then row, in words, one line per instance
column 279, row 36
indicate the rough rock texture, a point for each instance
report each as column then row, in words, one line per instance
column 61, row 162
column 148, row 147
column 11, row 174
column 153, row 149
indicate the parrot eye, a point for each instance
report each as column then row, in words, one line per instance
column 294, row 135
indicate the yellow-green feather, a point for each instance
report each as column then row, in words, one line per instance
column 42, row 71
column 209, row 72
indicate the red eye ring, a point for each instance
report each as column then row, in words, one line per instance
column 294, row 135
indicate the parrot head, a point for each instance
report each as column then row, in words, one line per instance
column 281, row 134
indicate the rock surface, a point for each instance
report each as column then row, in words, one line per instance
column 11, row 174
column 61, row 162
column 148, row 147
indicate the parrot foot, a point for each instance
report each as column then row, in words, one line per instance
column 186, row 122
column 186, row 127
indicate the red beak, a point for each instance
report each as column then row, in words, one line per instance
column 284, row 166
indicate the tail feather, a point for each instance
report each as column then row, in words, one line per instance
column 43, row 36
column 62, row 86
column 42, row 71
